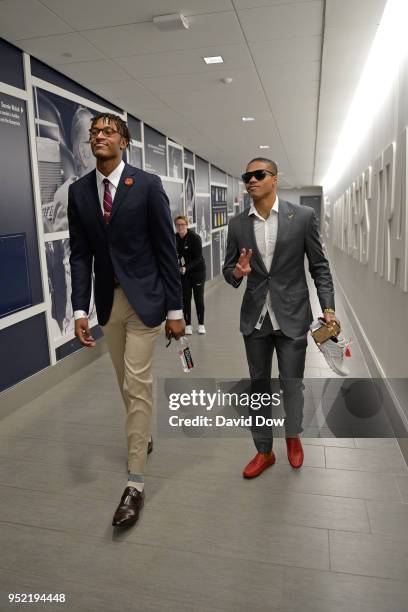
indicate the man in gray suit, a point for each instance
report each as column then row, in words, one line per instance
column 267, row 244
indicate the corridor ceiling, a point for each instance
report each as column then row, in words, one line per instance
column 294, row 65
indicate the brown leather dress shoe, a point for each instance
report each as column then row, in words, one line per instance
column 295, row 452
column 129, row 508
column 258, row 464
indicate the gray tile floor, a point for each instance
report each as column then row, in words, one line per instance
column 330, row 537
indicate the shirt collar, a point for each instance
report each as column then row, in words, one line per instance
column 114, row 176
column 253, row 211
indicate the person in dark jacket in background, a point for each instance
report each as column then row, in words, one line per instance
column 192, row 270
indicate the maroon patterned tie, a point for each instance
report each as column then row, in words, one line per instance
column 107, row 201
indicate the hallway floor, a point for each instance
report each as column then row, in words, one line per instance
column 330, row 537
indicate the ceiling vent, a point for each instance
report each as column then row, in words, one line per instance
column 169, row 23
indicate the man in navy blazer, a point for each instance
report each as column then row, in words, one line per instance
column 121, row 228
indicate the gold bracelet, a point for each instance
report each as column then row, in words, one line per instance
column 328, row 310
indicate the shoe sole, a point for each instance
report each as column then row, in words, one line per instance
column 295, row 467
column 125, row 524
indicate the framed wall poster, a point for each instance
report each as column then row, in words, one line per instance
column 203, row 218
column 59, row 283
column 207, row 254
column 202, row 168
column 188, row 158
column 175, row 158
column 135, row 155
column 155, row 151
column 135, row 128
column 216, row 259
column 218, row 176
column 174, row 190
column 63, row 151
column 62, row 122
column 219, row 213
column 230, row 195
column 189, row 191
column 223, row 245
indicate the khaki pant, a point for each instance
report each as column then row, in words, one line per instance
column 131, row 345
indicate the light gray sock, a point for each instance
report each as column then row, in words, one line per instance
column 136, row 481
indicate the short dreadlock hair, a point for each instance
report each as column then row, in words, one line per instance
column 121, row 125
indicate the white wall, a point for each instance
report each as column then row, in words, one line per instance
column 364, row 267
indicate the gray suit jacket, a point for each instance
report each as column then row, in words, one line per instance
column 286, row 280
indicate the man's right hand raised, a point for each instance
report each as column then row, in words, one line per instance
column 83, row 333
column 242, row 267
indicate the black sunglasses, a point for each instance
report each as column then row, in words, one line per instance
column 258, row 174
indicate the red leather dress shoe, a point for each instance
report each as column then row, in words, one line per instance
column 258, row 464
column 295, row 452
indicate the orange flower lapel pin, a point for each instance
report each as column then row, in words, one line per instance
column 129, row 182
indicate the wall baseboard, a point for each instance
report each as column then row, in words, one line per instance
column 34, row 386
column 394, row 409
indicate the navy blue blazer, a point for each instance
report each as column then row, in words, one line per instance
column 138, row 246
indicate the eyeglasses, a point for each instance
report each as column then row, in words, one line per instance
column 180, row 224
column 258, row 174
column 106, row 131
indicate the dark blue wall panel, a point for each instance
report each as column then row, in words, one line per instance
column 11, row 65
column 16, row 192
column 23, row 350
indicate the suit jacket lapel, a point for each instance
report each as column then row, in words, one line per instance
column 123, row 189
column 285, row 221
column 249, row 234
column 93, row 196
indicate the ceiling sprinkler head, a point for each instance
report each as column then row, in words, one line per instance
column 226, row 80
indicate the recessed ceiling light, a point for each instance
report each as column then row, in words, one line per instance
column 248, row 118
column 215, row 59
column 264, row 146
column 66, row 54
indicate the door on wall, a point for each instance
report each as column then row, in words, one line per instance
column 314, row 202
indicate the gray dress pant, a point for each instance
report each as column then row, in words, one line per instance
column 291, row 354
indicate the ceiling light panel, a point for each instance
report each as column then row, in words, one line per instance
column 214, row 59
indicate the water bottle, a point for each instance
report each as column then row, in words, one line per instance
column 185, row 354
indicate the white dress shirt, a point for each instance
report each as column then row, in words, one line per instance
column 114, row 178
column 266, row 231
